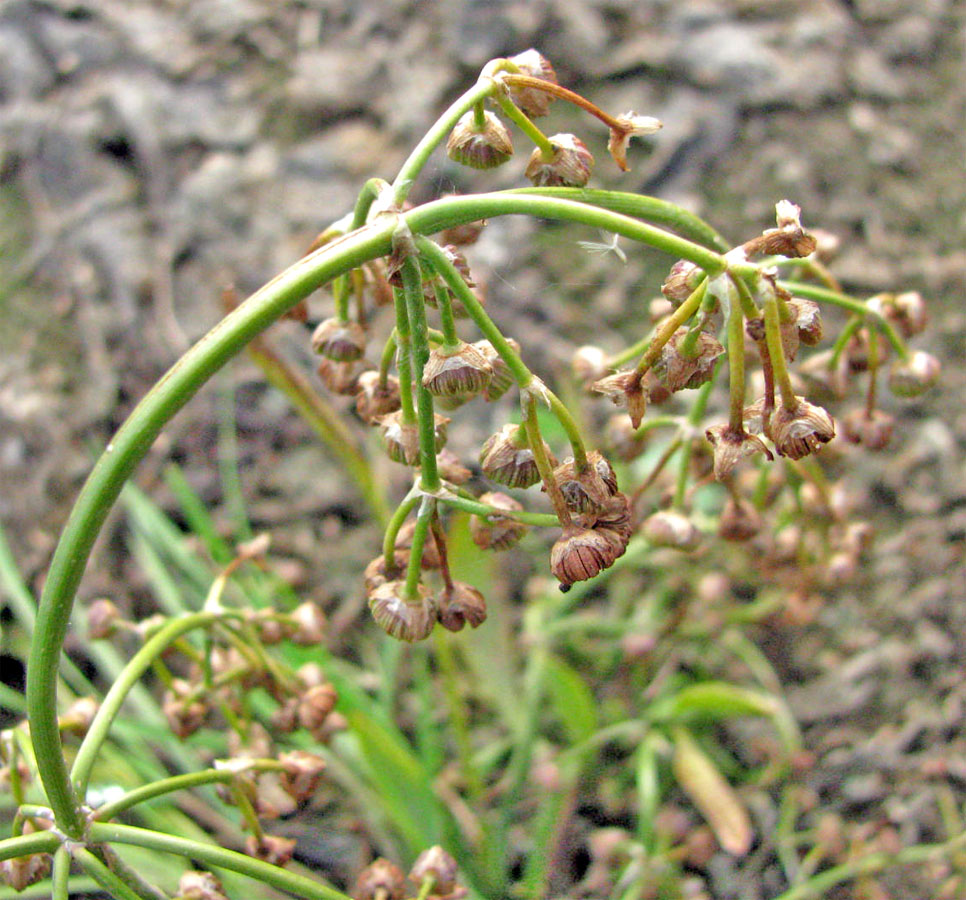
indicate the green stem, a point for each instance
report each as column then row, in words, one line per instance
column 736, row 369
column 512, row 112
column 392, row 529
column 387, row 358
column 177, row 783
column 834, row 298
column 447, row 320
column 25, row 844
column 694, row 418
column 569, row 424
column 94, row 867
column 370, row 192
column 414, row 570
column 671, row 325
column 417, row 160
column 482, row 509
column 219, row 857
column 425, row 411
column 139, row 664
column 404, row 358
column 542, row 461
column 776, row 353
column 60, row 875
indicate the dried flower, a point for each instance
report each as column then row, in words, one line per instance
column 404, row 618
column 271, row 848
column 907, row 311
column 437, row 864
column 731, row 447
column 315, row 705
column 506, row 458
column 739, row 521
column 200, row 886
column 532, row 101
column 380, row 880
column 788, row 239
column 800, row 430
column 624, row 389
column 667, row 528
column 873, row 430
column 402, row 438
column 79, row 715
column 589, row 364
column 404, row 541
column 374, row 398
column 679, row 370
column 102, row 619
column 570, row 166
column 629, row 125
column 309, row 624
column 456, row 371
column 450, row 468
column 376, row 574
column 501, row 378
column 581, row 553
column 341, row 341
column 341, row 377
column 479, row 148
column 183, row 710
column 915, row 375
column 681, row 281
column 496, row 532
column 460, row 604
column 587, row 490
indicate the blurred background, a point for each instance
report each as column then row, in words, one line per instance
column 153, row 151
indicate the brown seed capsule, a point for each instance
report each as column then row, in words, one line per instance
column 680, row 369
column 807, row 317
column 450, row 468
column 731, row 447
column 460, row 604
column 625, row 389
column 437, row 864
column 681, row 281
column 581, row 553
column 907, row 311
column 667, row 528
column 533, row 101
column 374, row 398
column 825, row 374
column 308, row 622
column 200, row 886
column 316, row 704
column 380, row 880
column 341, row 377
column 376, row 574
column 301, row 774
column 402, row 439
column 341, row 341
column 502, row 378
column 404, row 618
column 497, row 532
column 404, row 541
column 479, row 148
column 872, row 430
column 456, row 371
column 800, row 430
column 739, row 521
column 570, row 166
column 587, row 490
column 589, row 364
column 270, row 848
column 185, row 714
column 506, row 458
column 788, row 239
column 77, row 720
column 915, row 375
column 102, row 619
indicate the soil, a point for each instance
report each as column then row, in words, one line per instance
column 151, row 152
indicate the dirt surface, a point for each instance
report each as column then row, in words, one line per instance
column 151, row 152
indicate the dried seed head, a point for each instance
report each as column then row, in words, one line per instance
column 613, row 522
column 309, row 624
column 485, row 148
column 800, row 430
column 437, row 864
column 497, row 532
column 185, row 714
column 667, row 528
column 285, row 718
column 301, row 774
column 788, row 239
column 77, row 720
column 678, row 370
column 102, row 619
column 460, row 604
column 731, row 447
column 915, row 375
column 622, row 439
column 506, row 458
column 401, row 617
column 375, row 399
column 341, row 377
column 624, row 389
column 570, row 166
column 807, row 317
column 739, row 521
column 341, row 341
column 200, row 886
column 587, row 490
column 826, row 373
column 270, row 848
column 533, row 101
column 629, row 125
column 404, row 541
column 502, row 378
column 589, row 364
column 872, row 430
column 581, row 553
column 380, row 880
column 270, row 626
column 457, row 371
column 907, row 311
column 450, row 468
column 457, row 259
column 681, row 281
column 402, row 439
column 316, row 704
column 858, row 351
column 376, row 574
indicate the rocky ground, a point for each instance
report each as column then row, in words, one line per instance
column 151, row 152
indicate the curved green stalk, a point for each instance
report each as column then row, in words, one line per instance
column 395, row 523
column 139, row 664
column 25, row 844
column 515, row 115
column 60, row 875
column 684, row 312
column 211, row 855
column 544, row 520
column 404, row 364
column 776, row 353
column 414, row 569
column 111, row 883
column 370, row 192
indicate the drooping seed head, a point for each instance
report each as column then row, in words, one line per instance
column 570, row 166
column 731, row 447
column 380, row 880
column 872, row 430
column 404, row 618
column 624, row 389
column 532, row 101
column 677, row 370
column 667, row 528
column 341, row 377
column 506, row 458
column 200, row 886
column 301, row 774
column 681, row 281
column 375, row 399
column 459, row 604
column 437, row 864
column 483, row 148
column 458, row 371
column 497, row 532
column 587, row 490
column 739, row 521
column 581, row 553
column 915, row 375
column 271, row 848
column 502, row 378
column 800, row 430
column 341, row 341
